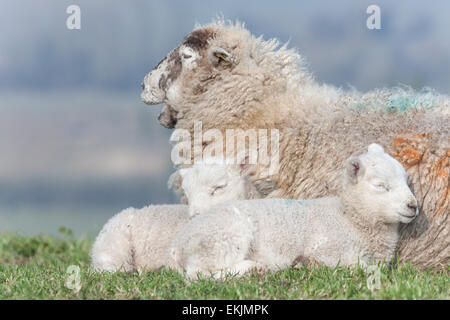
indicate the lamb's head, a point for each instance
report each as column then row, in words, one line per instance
column 376, row 187
column 216, row 64
column 210, row 182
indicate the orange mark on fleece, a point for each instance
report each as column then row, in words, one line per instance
column 442, row 168
column 407, row 150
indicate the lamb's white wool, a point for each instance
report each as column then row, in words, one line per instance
column 137, row 239
column 359, row 226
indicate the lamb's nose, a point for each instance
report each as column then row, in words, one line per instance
column 142, row 86
column 412, row 206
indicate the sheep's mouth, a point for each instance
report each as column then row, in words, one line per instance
column 149, row 98
column 151, row 95
column 168, row 117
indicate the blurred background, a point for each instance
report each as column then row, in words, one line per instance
column 76, row 143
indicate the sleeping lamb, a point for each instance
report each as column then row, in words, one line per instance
column 137, row 239
column 360, row 226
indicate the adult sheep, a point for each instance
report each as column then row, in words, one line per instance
column 226, row 78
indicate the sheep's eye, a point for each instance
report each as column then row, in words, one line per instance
column 186, row 56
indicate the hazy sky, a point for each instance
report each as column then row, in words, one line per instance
column 121, row 40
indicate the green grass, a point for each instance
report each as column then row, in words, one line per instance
column 35, row 268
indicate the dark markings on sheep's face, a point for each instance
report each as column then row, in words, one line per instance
column 174, row 70
column 198, row 41
column 170, row 69
column 157, row 66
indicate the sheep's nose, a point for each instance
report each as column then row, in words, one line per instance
column 142, row 86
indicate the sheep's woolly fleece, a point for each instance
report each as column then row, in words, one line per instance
column 226, row 78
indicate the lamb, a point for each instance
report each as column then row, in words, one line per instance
column 137, row 239
column 358, row 227
column 225, row 78
column 211, row 182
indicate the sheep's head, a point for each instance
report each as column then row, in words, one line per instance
column 376, row 186
column 211, row 182
column 214, row 58
column 186, row 73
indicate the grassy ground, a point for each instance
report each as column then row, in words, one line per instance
column 36, row 268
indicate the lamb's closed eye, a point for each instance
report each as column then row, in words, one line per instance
column 381, row 186
column 217, row 188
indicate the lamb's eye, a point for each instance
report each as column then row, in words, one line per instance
column 382, row 186
column 186, row 56
column 217, row 188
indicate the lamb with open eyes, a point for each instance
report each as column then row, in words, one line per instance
column 361, row 225
column 137, row 239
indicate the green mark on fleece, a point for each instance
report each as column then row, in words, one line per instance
column 290, row 202
column 399, row 102
column 403, row 103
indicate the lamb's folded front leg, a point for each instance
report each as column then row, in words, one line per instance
column 240, row 269
column 213, row 244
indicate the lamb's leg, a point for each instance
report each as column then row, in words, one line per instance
column 221, row 260
column 212, row 244
column 112, row 250
column 112, row 256
column 240, row 269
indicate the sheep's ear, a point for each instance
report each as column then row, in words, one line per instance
column 375, row 148
column 354, row 169
column 219, row 55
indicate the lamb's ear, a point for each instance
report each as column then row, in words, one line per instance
column 354, row 169
column 218, row 56
column 375, row 148
column 243, row 161
column 245, row 167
